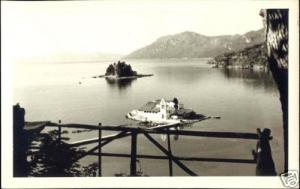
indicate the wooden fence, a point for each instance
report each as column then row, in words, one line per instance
column 262, row 155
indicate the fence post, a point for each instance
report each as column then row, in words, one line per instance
column 133, row 153
column 20, row 142
column 99, row 151
column 264, row 161
column 59, row 132
column 170, row 151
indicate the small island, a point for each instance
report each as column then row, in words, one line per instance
column 121, row 70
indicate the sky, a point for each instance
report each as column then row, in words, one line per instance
column 40, row 28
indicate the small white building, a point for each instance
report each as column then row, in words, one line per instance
column 154, row 111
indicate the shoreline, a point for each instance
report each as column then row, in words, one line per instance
column 240, row 67
column 126, row 77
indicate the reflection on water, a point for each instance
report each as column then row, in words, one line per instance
column 163, row 137
column 252, row 78
column 182, row 75
column 120, row 83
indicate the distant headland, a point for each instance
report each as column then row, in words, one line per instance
column 254, row 57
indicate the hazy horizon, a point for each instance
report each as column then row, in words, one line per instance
column 38, row 29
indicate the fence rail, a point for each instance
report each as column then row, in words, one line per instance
column 125, row 131
column 215, row 134
column 262, row 156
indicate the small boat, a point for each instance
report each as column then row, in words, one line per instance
column 165, row 112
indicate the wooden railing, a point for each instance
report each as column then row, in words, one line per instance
column 262, row 155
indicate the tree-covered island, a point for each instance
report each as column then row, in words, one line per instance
column 121, row 70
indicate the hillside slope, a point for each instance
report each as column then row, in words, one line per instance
column 250, row 57
column 194, row 45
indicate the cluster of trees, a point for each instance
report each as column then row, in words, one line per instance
column 55, row 159
column 120, row 69
column 52, row 158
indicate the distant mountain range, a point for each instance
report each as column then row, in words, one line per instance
column 194, row 45
column 67, row 57
column 81, row 57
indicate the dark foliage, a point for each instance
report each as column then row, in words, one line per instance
column 249, row 57
column 90, row 170
column 175, row 100
column 54, row 159
column 120, row 69
column 191, row 115
column 110, row 70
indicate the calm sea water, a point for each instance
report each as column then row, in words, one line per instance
column 244, row 99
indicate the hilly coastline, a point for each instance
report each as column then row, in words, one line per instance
column 254, row 57
column 193, row 45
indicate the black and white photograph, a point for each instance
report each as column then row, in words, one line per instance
column 154, row 91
